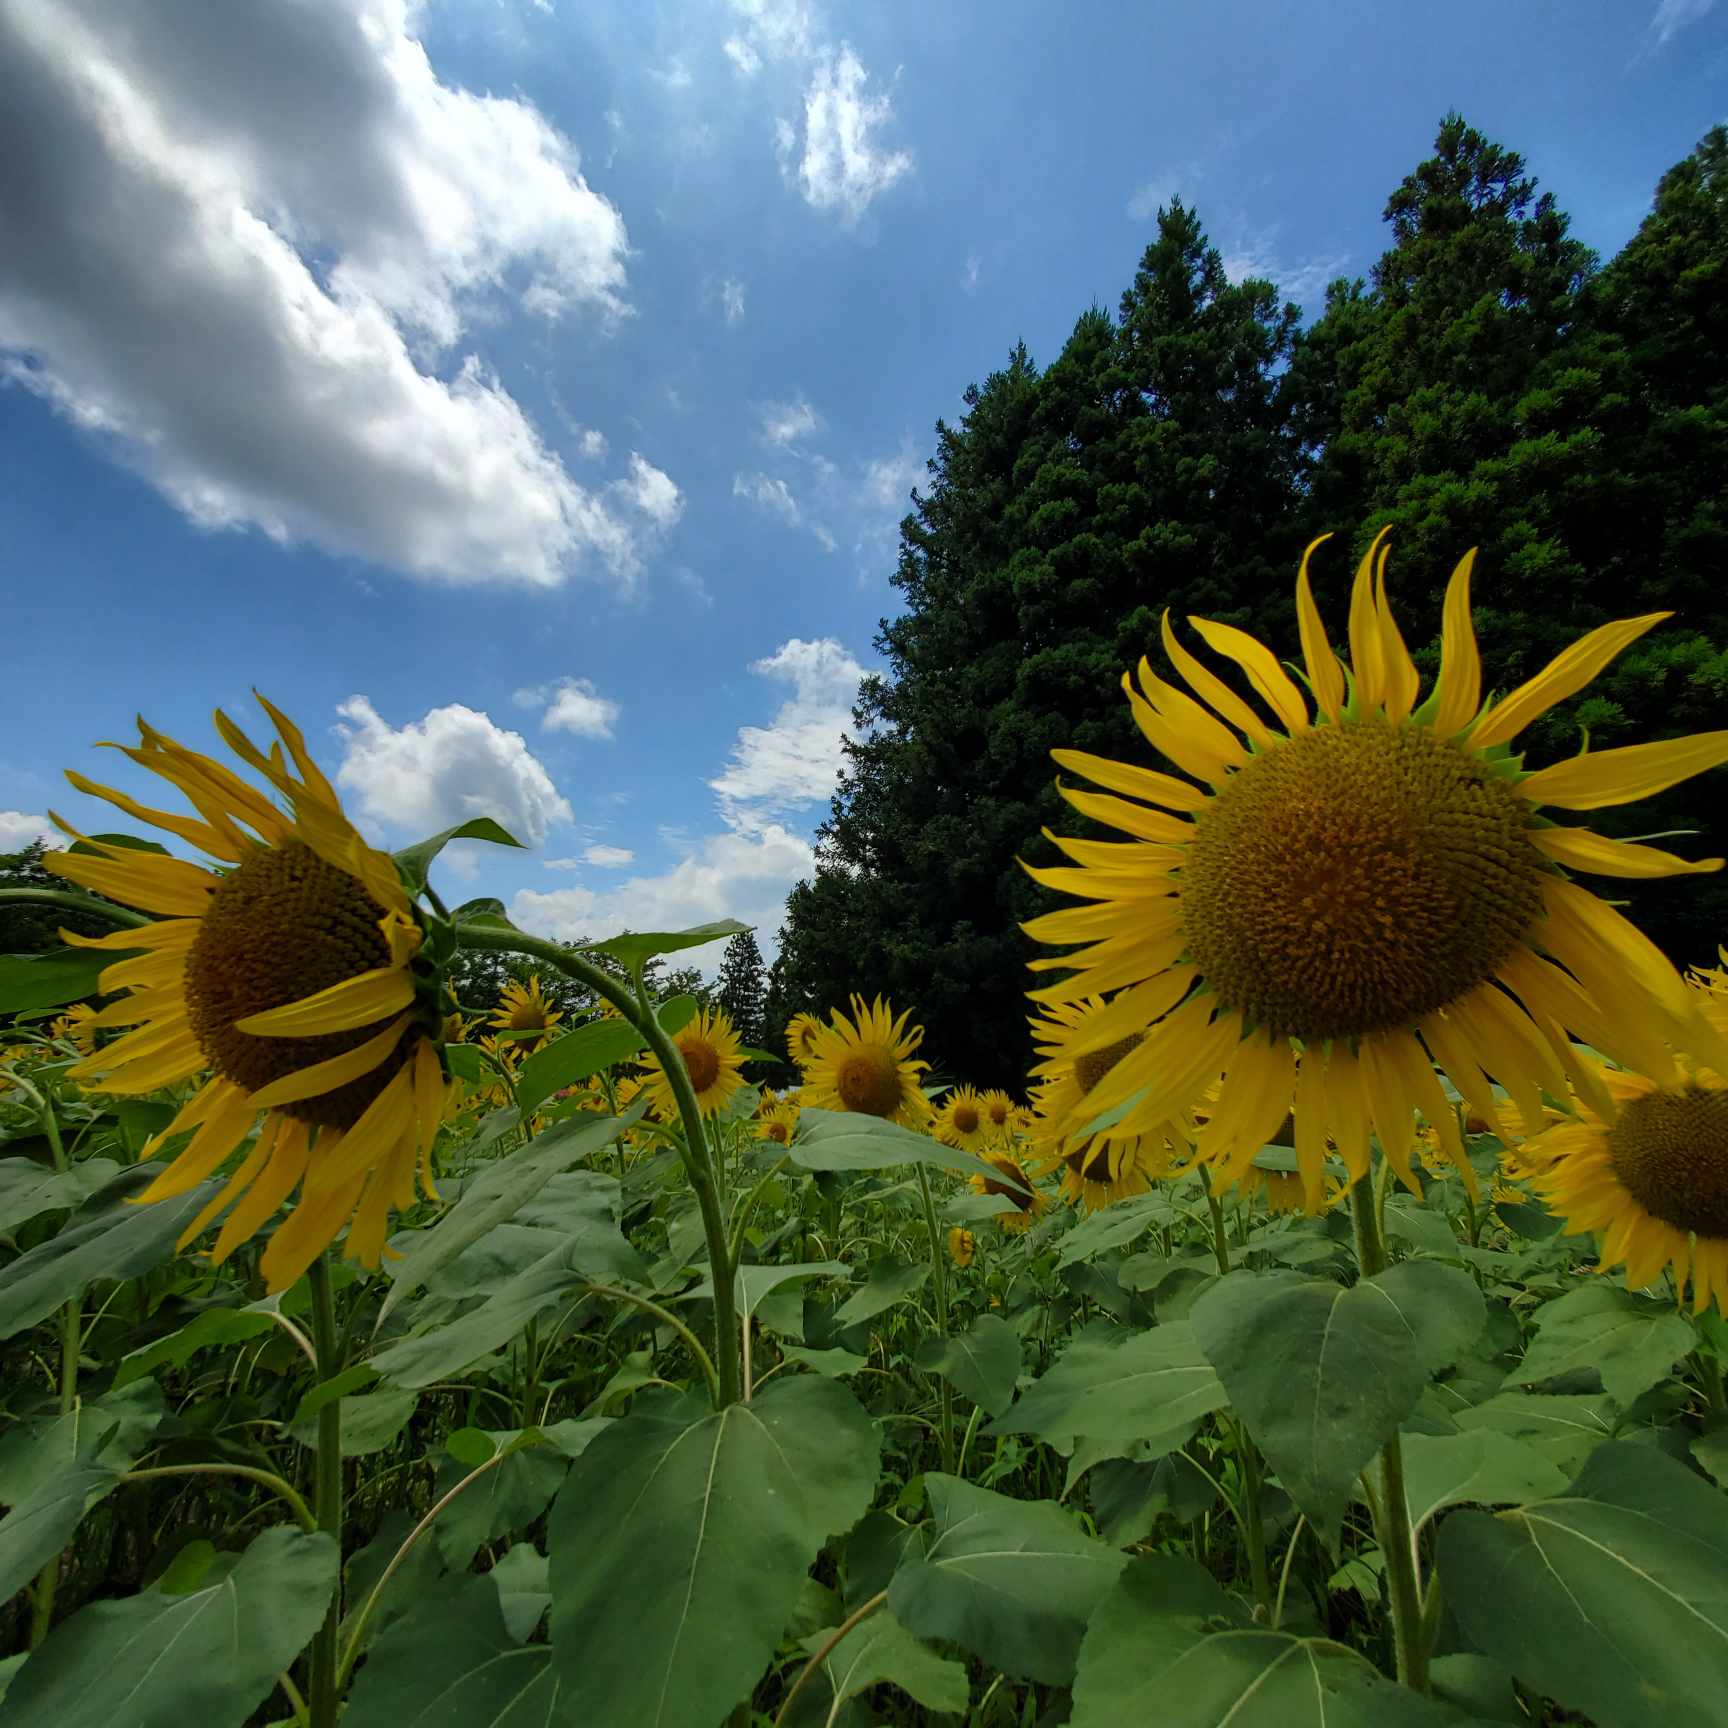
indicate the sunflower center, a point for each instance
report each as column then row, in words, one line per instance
column 965, row 1118
column 701, row 1062
column 778, row 1131
column 1095, row 1064
column 869, row 1081
column 1356, row 878
column 1016, row 1185
column 527, row 1018
column 282, row 926
column 1090, row 1161
column 998, row 1113
column 1670, row 1151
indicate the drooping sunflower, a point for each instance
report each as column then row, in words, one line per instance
column 524, row 1010
column 1030, row 1201
column 960, row 1119
column 802, row 1031
column 778, row 1123
column 1338, row 898
column 287, row 974
column 865, row 1063
column 962, row 1247
column 77, row 1026
column 710, row 1049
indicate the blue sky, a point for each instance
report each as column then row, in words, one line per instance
column 524, row 394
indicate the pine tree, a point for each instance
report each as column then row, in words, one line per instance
column 740, row 987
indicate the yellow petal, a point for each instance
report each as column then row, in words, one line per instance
column 1367, row 646
column 1579, row 849
column 1133, row 819
column 326, row 1076
column 1325, row 675
column 1274, row 684
column 358, row 1001
column 306, row 1232
column 291, row 736
column 289, row 1143
column 199, row 834
column 227, row 1116
column 1602, row 777
column 1347, row 1109
column 388, row 1119
column 1390, row 1103
column 1258, row 1087
column 174, row 934
column 1309, row 1110
column 1565, row 675
column 236, row 1185
column 1212, row 689
column 1402, row 681
column 1150, row 883
column 146, row 880
column 1459, row 690
column 429, row 1096
column 1199, row 730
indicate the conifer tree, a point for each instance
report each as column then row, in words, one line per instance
column 740, row 987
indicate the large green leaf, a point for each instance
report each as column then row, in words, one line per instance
column 587, row 1050
column 1013, row 1581
column 1167, row 1645
column 370, row 1421
column 1483, row 1468
column 508, row 1498
column 28, row 1189
column 1114, row 1227
column 1132, row 1387
column 453, row 1661
column 36, row 1529
column 1631, row 1341
column 680, row 1539
column 982, row 1363
column 848, row 1140
column 30, row 981
column 215, row 1326
column 637, row 947
column 1565, row 1429
column 752, row 1285
column 107, row 1237
column 1611, row 1598
column 111, row 1430
column 584, row 1208
column 890, row 1281
column 880, row 1652
column 209, row 1656
column 1323, row 1375
column 501, row 1190
column 414, row 863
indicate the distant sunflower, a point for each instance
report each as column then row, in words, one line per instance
column 779, row 1124
column 960, row 1119
column 497, row 1088
column 524, row 1010
column 766, row 1099
column 802, row 1031
column 77, row 1026
column 288, row 974
column 1353, row 896
column 710, row 1049
column 1001, row 1114
column 1016, row 1184
column 962, row 1246
column 865, row 1064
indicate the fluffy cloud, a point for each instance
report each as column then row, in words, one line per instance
column 435, row 772
column 730, row 875
column 769, row 494
column 792, row 761
column 609, row 857
column 784, row 423
column 592, row 444
column 1304, row 282
column 888, row 480
column 769, row 30
column 241, row 254
column 571, row 705
column 647, row 490
column 841, row 166
column 732, row 299
column 18, row 830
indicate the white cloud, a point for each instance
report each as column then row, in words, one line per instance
column 732, row 299
column 592, row 444
column 691, row 581
column 1673, row 16
column 743, row 56
column 729, row 875
column 649, row 491
column 769, row 30
column 969, row 277
column 784, row 423
column 609, row 857
column 889, row 479
column 842, row 168
column 674, row 75
column 1305, row 282
column 794, row 759
column 237, row 253
column 577, row 707
column 18, row 830
column 769, row 494
column 453, row 764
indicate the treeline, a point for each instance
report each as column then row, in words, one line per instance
column 1489, row 384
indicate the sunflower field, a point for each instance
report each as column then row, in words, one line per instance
column 1331, row 1331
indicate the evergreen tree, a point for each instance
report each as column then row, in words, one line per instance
column 28, row 929
column 739, row 990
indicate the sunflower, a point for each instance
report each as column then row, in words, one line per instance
column 962, row 1246
column 507, row 1058
column 865, row 1064
column 802, row 1031
column 287, row 975
column 77, row 1026
column 778, row 1123
column 710, row 1049
column 524, row 1010
column 766, row 1099
column 1001, row 1114
column 1283, row 1190
column 960, row 1120
column 1030, row 1202
column 1353, row 895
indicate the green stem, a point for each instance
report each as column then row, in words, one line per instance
column 939, row 1277
column 1392, row 1509
column 1253, row 1526
column 1284, row 1574
column 1220, row 1238
column 691, row 1342
column 695, row 1153
column 265, row 1478
column 121, row 915
column 826, row 1651
column 327, row 1496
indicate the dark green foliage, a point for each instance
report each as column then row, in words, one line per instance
column 1487, row 386
column 26, row 929
column 741, row 987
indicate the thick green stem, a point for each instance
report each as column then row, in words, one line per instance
column 939, row 1277
column 327, row 1494
column 265, row 1478
column 1220, row 1237
column 121, row 915
column 695, row 1152
column 1392, row 1510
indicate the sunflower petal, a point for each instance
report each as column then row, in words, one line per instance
column 1603, row 777
column 1579, row 849
column 1212, row 689
column 1367, row 647
column 1325, row 675
column 1402, row 681
column 290, row 1144
column 145, row 880
column 1565, row 675
column 326, row 1076
column 199, row 834
column 1458, row 692
column 358, row 1001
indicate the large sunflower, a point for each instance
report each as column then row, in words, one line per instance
column 523, row 1010
column 1355, row 893
column 710, row 1049
column 865, row 1064
column 286, row 974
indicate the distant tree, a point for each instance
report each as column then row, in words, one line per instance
column 28, row 929
column 741, row 987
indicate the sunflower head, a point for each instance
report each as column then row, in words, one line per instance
column 1012, row 1181
column 1340, row 890
column 802, row 1031
column 77, row 1026
column 524, row 1011
column 1001, row 1114
column 287, row 971
column 778, row 1123
column 961, row 1119
column 962, row 1246
column 865, row 1064
column 710, row 1051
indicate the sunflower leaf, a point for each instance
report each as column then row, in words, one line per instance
column 982, row 1363
column 633, row 948
column 575, row 1056
column 48, row 980
column 414, row 863
column 1630, row 1341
